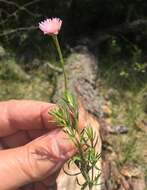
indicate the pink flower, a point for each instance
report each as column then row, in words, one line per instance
column 50, row 26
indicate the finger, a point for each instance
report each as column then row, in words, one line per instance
column 36, row 133
column 24, row 115
column 55, row 146
column 18, row 139
column 1, row 145
column 36, row 160
column 28, row 187
column 40, row 186
column 51, row 180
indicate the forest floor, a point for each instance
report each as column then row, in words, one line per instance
column 128, row 111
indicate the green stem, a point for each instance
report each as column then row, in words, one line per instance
column 90, row 188
column 92, row 177
column 83, row 171
column 55, row 39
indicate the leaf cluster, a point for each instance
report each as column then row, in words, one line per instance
column 86, row 159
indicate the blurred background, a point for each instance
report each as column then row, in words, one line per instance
column 115, row 32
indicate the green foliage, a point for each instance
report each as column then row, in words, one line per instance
column 123, row 75
column 66, row 115
column 129, row 110
column 123, row 64
column 129, row 153
column 9, row 70
column 16, row 83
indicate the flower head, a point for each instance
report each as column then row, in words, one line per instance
column 50, row 26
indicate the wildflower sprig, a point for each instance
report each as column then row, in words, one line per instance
column 67, row 117
column 56, row 42
column 85, row 141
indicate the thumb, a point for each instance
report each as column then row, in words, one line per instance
column 36, row 160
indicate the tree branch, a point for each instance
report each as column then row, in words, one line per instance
column 5, row 33
column 54, row 68
column 122, row 29
column 19, row 8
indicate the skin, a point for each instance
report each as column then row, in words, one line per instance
column 32, row 147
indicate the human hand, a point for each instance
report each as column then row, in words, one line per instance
column 33, row 148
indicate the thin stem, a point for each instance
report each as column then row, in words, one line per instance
column 92, row 166
column 55, row 39
column 83, row 171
